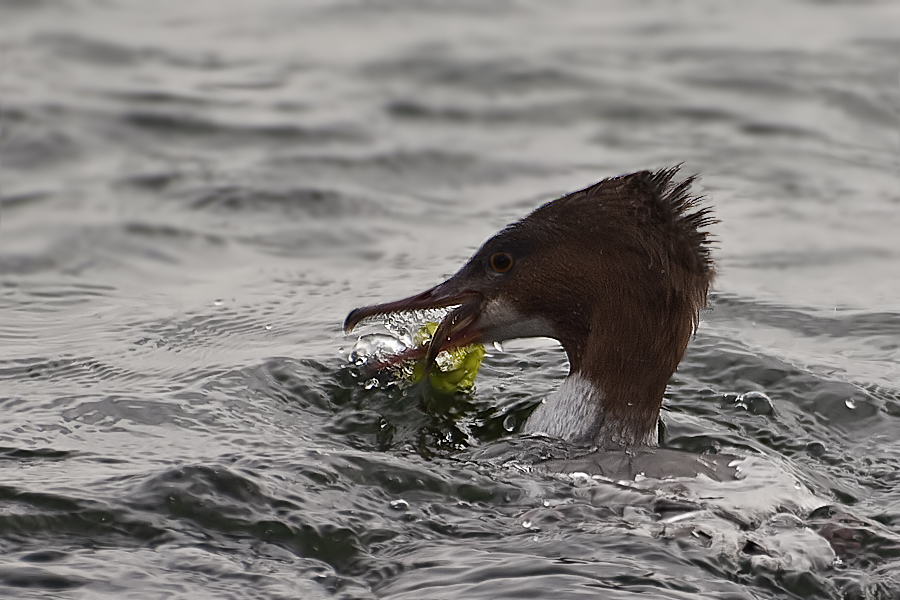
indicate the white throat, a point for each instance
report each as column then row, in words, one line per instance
column 574, row 413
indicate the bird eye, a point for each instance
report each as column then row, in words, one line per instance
column 501, row 262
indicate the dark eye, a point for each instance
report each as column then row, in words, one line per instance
column 501, row 262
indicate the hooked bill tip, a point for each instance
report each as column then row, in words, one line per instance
column 348, row 323
column 352, row 320
column 358, row 315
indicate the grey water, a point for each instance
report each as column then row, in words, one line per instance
column 194, row 195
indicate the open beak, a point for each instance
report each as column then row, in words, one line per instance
column 458, row 328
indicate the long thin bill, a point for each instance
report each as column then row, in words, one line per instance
column 440, row 296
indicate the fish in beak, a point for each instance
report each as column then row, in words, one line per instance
column 492, row 297
column 458, row 328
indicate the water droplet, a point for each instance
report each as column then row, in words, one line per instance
column 268, row 328
column 527, row 524
column 509, row 423
column 850, row 403
column 218, row 303
column 498, row 347
column 399, row 504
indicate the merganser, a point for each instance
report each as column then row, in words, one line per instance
column 616, row 272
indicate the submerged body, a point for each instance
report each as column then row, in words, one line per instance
column 617, row 273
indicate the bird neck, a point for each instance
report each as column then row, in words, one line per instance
column 619, row 368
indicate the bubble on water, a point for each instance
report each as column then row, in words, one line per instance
column 218, row 303
column 268, row 327
column 498, row 347
column 509, row 423
column 757, row 403
column 371, row 384
column 850, row 403
column 399, row 504
column 816, row 448
column 527, row 524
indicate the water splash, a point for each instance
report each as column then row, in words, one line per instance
column 375, row 346
column 406, row 330
column 405, row 325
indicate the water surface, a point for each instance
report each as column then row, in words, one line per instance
column 194, row 194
